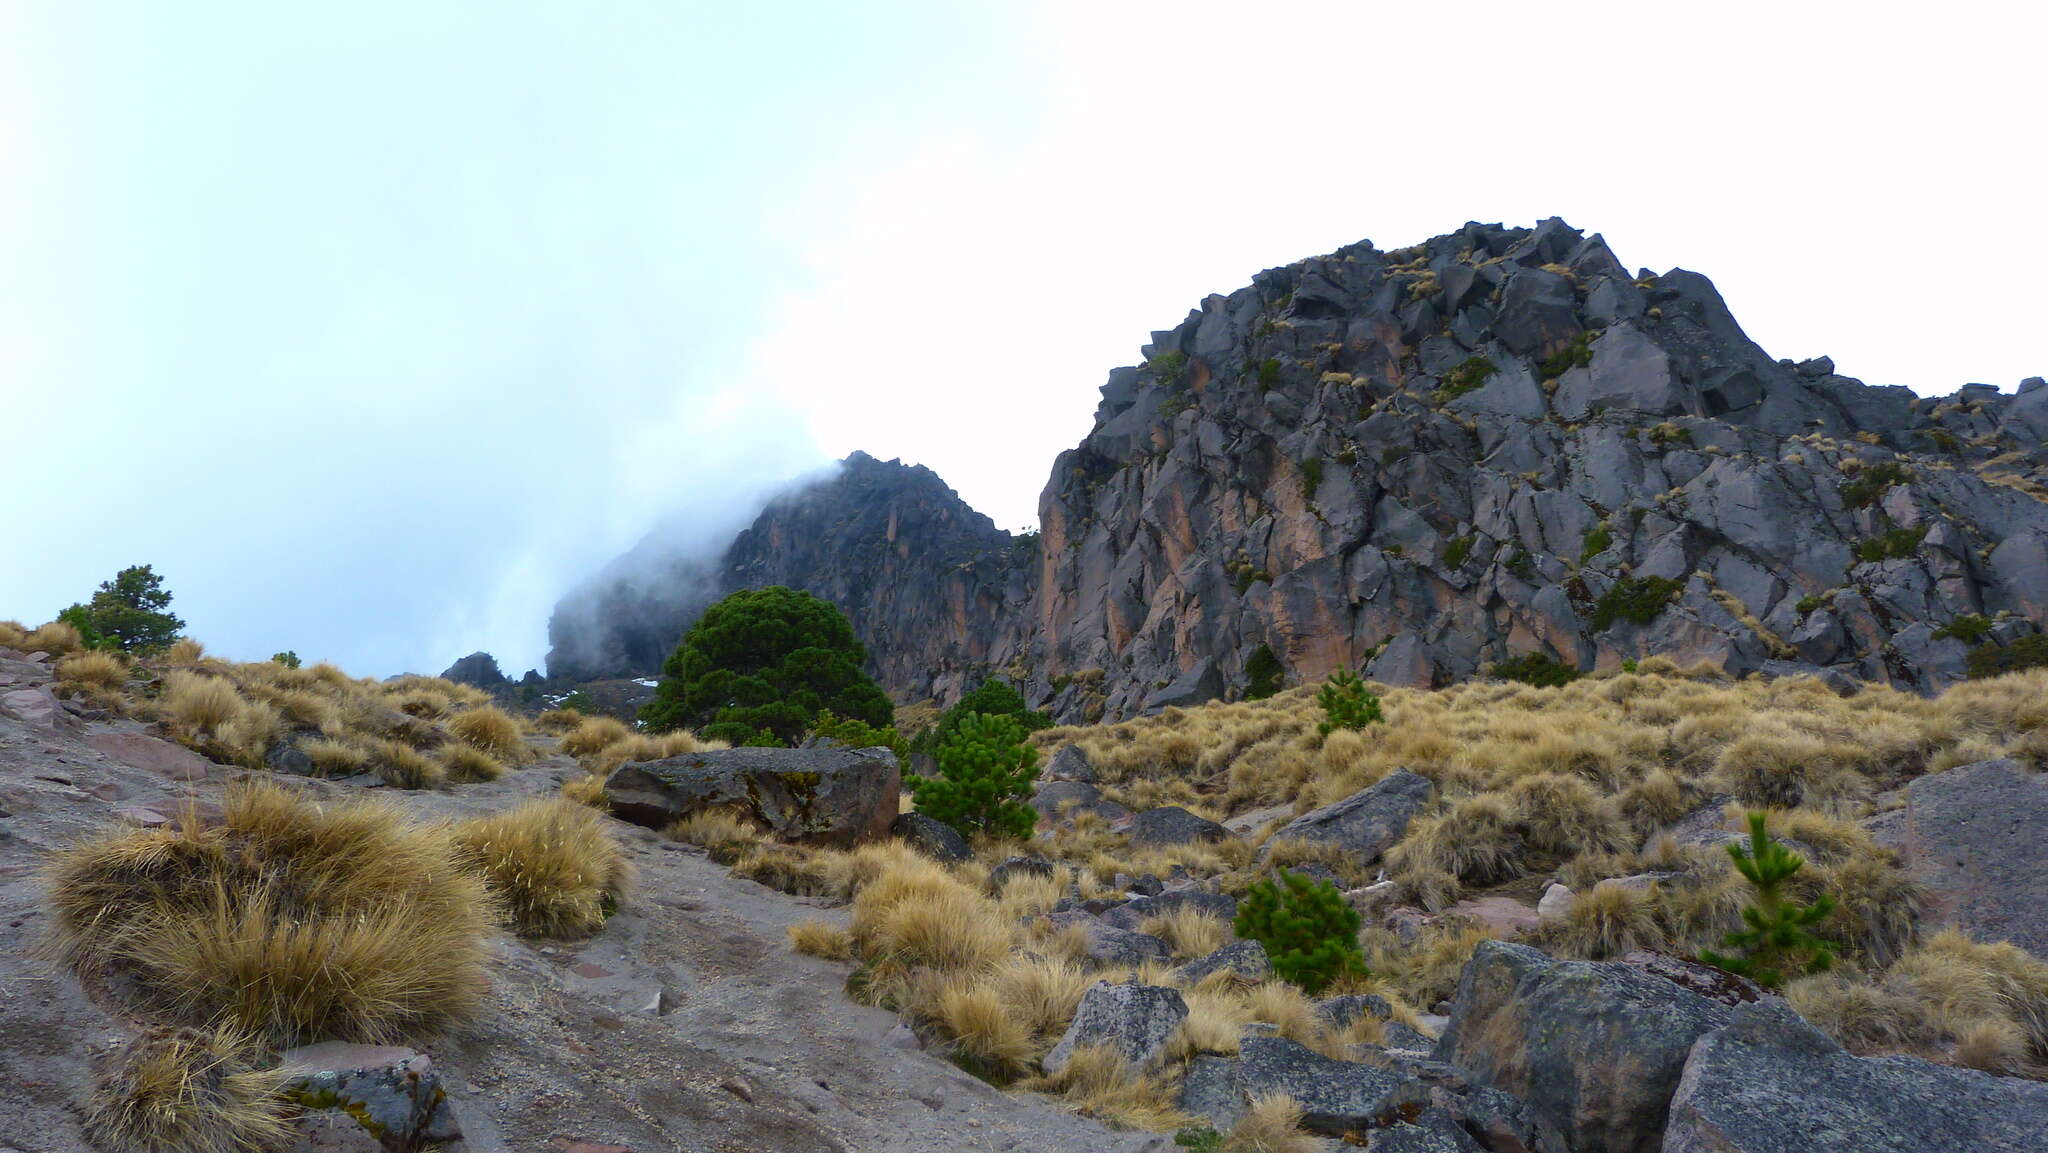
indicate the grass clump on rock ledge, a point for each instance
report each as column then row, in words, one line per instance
column 1637, row 600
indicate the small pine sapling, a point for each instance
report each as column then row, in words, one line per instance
column 1310, row 933
column 1347, row 703
column 1779, row 936
column 985, row 775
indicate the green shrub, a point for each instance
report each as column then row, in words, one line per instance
column 1199, row 1139
column 1779, row 936
column 994, row 697
column 763, row 663
column 985, row 775
column 1971, row 628
column 2028, row 652
column 1309, row 931
column 1637, row 600
column 1269, row 373
column 1522, row 565
column 1169, row 368
column 1311, row 476
column 1812, row 601
column 1871, row 483
column 1535, row 669
column 1262, row 674
column 287, row 658
column 1347, row 703
column 1628, row 664
column 1896, row 544
column 1578, row 353
column 1664, row 434
column 1945, row 441
column 1597, row 541
column 130, row 612
column 855, row 734
column 1469, row 374
column 1458, row 552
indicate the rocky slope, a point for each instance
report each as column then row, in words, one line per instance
column 1494, row 443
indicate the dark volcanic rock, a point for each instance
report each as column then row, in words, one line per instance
column 1173, row 825
column 1109, row 944
column 479, row 669
column 934, row 838
column 1771, row 1083
column 1245, row 958
column 1134, row 1019
column 1977, row 837
column 835, row 797
column 1058, row 801
column 1595, row 1049
column 1366, row 823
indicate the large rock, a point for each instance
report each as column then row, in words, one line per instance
column 390, row 1094
column 1336, row 1096
column 1069, row 763
column 1977, row 837
column 835, row 797
column 479, row 669
column 1366, row 823
column 1173, row 825
column 1107, row 945
column 1247, row 959
column 932, row 837
column 1771, row 1083
column 1595, row 1049
column 1133, row 1019
column 1132, row 913
column 1058, row 801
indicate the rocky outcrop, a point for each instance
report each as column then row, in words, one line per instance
column 1133, row 1019
column 1595, row 1049
column 1771, row 1083
column 937, row 592
column 479, row 669
column 1977, row 837
column 835, row 797
column 1496, row 442
column 1366, row 823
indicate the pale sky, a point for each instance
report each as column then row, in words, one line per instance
column 376, row 328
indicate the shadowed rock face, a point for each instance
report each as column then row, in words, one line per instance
column 1433, row 459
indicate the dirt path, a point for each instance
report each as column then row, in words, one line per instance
column 685, row 1024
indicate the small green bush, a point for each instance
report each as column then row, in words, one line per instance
column 1597, row 541
column 287, row 658
column 985, row 775
column 2028, row 652
column 1812, row 601
column 1169, row 368
column 1262, row 674
column 1628, row 664
column 1535, row 669
column 1347, row 703
column 1458, row 552
column 1871, row 483
column 1311, row 476
column 1469, row 374
column 1945, row 441
column 1779, row 937
column 1971, row 628
column 858, row 734
column 1269, row 373
column 1664, row 434
column 1309, row 931
column 1896, row 544
column 1637, row 600
column 1578, row 353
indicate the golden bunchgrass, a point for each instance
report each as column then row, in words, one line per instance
column 93, row 670
column 593, row 734
column 492, row 730
column 553, row 862
column 816, row 938
column 288, row 920
column 185, row 1090
column 1271, row 1125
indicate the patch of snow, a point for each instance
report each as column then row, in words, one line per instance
column 650, row 682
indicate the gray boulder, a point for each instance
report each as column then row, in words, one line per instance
column 1595, row 1049
column 1109, row 945
column 1435, row 1131
column 1134, row 1019
column 478, row 669
column 1069, row 764
column 390, row 1092
column 1198, row 685
column 1245, row 958
column 1173, row 825
column 1336, row 1096
column 1977, row 837
column 834, row 797
column 1770, row 1082
column 932, row 837
column 1366, row 823
column 1018, row 867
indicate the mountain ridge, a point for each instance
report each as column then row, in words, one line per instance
column 1429, row 460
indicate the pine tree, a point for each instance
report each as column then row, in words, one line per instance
column 1310, row 933
column 1779, row 935
column 130, row 612
column 1347, row 703
column 985, row 775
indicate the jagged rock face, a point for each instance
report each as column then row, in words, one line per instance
column 937, row 592
column 1436, row 458
column 1426, row 460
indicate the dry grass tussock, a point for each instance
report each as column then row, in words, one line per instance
column 187, row 1091
column 492, row 730
column 287, row 920
column 1949, row 998
column 553, row 862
